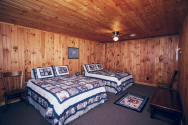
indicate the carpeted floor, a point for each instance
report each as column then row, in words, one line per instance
column 21, row 113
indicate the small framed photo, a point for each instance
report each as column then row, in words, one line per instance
column 73, row 53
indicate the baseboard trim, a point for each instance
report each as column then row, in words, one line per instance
column 2, row 103
column 147, row 84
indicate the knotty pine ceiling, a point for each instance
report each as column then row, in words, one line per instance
column 97, row 19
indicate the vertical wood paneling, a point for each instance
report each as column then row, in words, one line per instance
column 154, row 58
column 183, row 66
column 1, row 48
column 21, row 39
column 24, row 48
column 1, row 56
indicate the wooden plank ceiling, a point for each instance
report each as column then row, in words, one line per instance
column 97, row 19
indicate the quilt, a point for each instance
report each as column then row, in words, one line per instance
column 63, row 96
column 118, row 74
column 115, row 81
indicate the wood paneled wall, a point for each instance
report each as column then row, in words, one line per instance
column 183, row 67
column 23, row 48
column 151, row 60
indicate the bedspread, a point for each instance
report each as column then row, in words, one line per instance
column 64, row 96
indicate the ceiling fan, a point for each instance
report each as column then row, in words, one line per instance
column 116, row 35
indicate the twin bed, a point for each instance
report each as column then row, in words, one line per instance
column 61, row 97
column 115, row 81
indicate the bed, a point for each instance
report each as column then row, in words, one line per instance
column 115, row 81
column 63, row 98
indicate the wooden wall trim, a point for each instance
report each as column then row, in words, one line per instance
column 148, row 37
column 147, row 84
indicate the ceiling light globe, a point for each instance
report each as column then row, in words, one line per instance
column 115, row 38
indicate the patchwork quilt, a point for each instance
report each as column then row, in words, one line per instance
column 63, row 96
column 116, row 80
column 118, row 74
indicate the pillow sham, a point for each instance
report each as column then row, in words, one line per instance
column 91, row 67
column 99, row 66
column 42, row 72
column 60, row 70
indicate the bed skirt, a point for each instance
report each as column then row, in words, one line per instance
column 43, row 111
column 114, row 88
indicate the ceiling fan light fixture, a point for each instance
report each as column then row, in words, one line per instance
column 116, row 35
column 115, row 38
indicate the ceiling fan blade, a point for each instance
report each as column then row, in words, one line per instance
column 127, row 34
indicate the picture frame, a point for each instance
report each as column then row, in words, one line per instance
column 73, row 53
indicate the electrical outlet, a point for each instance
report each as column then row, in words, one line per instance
column 147, row 78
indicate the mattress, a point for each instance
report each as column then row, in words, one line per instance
column 61, row 98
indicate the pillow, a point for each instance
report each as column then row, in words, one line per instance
column 42, row 72
column 99, row 66
column 91, row 67
column 60, row 70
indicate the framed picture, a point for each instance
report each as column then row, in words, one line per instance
column 73, row 53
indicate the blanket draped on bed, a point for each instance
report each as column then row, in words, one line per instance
column 63, row 96
column 116, row 81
